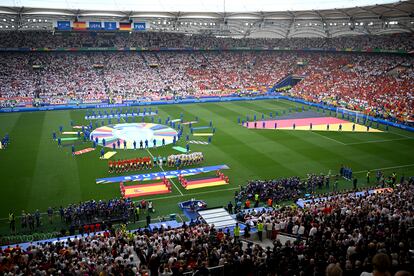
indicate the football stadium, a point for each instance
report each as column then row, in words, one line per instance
column 179, row 137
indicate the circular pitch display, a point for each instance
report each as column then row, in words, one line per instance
column 130, row 132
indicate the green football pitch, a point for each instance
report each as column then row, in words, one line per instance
column 35, row 173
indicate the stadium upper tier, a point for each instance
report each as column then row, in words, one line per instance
column 43, row 39
column 380, row 85
column 247, row 19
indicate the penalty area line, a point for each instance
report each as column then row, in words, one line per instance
column 377, row 141
column 334, row 140
column 152, row 156
column 401, row 135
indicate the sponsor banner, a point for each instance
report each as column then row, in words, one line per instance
column 139, row 26
column 160, row 175
column 110, row 26
column 63, row 25
column 95, row 26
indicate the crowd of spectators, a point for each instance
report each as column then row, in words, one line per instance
column 345, row 229
column 374, row 85
column 378, row 85
column 74, row 217
column 350, row 234
column 277, row 190
column 95, row 77
column 44, row 39
column 282, row 189
column 92, row 211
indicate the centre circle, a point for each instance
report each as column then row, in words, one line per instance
column 124, row 135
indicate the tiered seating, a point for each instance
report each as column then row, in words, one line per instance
column 355, row 234
column 46, row 39
column 360, row 82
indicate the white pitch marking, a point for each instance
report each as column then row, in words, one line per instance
column 164, row 171
column 377, row 141
column 402, row 135
column 328, row 138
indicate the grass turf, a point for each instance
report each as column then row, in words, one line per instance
column 36, row 174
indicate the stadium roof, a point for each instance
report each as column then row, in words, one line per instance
column 237, row 18
column 196, row 5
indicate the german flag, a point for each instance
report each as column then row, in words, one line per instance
column 79, row 26
column 125, row 26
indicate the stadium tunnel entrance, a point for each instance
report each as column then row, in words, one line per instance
column 287, row 83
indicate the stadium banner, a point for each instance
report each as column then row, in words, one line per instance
column 160, row 175
column 63, row 25
column 125, row 26
column 110, row 26
column 79, row 26
column 95, row 26
column 139, row 26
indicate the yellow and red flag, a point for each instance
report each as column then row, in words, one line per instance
column 79, row 26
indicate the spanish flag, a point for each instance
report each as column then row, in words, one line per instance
column 79, row 26
column 125, row 26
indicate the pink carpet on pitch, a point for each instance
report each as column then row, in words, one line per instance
column 298, row 122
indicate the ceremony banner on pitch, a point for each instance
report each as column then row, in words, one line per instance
column 190, row 122
column 180, row 149
column 160, row 175
column 108, row 155
column 69, row 139
column 79, row 152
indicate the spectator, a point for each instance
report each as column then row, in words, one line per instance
column 333, row 270
column 381, row 264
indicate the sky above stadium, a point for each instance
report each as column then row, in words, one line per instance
column 194, row 5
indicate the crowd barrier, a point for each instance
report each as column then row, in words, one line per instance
column 210, row 100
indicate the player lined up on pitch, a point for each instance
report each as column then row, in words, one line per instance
column 178, row 160
column 4, row 141
column 126, row 165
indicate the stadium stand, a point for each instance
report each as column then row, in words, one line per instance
column 336, row 233
column 379, row 85
column 350, row 231
column 42, row 39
